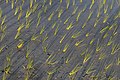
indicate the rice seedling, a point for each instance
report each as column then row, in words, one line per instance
column 56, row 30
column 45, row 9
column 42, row 30
column 65, row 47
column 16, row 10
column 50, row 17
column 20, row 27
column 70, row 26
column 91, row 42
column 39, row 14
column 108, row 66
column 49, row 75
column 112, row 4
column 52, row 63
column 98, row 13
column 17, row 34
column 78, row 16
column 20, row 15
column 81, row 1
column 62, row 38
column 38, row 23
column 51, row 72
column 1, row 48
column 7, row 67
column 3, row 20
column 28, row 68
column 96, row 22
column 85, row 7
column 105, row 9
column 93, row 2
column 19, row 30
column 20, row 44
column 75, row 10
column 72, row 77
column 51, row 60
column 115, row 28
column 89, row 70
column 105, row 19
column 78, row 43
column 61, row 1
column 102, row 56
column 35, row 0
column 4, row 76
column 27, row 76
column 0, row 12
column 75, row 69
column 23, row 1
column 100, row 7
column 68, row 59
column 83, row 26
column 79, row 46
column 45, row 38
column 104, row 29
column 31, row 3
column 118, row 61
column 67, row 4
column 98, row 46
column 35, row 7
column 105, row 35
column 45, row 1
column 34, row 37
column 50, row 2
column 45, row 48
column 87, row 34
column 28, row 13
column 3, row 34
column 73, row 2
column 86, row 58
column 12, row 4
column 54, row 25
column 75, row 35
column 60, row 13
column 30, row 64
column 21, row 6
column 28, row 23
column 112, row 78
column 49, row 57
column 66, row 20
column 117, row 16
column 6, row 1
column 110, row 41
column 112, row 26
column 104, row 2
column 115, row 48
column 27, row 53
column 89, row 15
